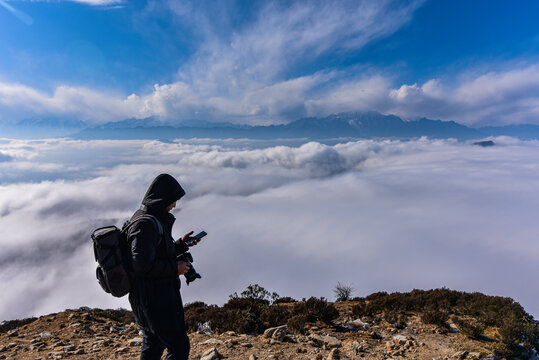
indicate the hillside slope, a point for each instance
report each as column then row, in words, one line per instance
column 321, row 330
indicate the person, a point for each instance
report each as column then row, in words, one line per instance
column 155, row 292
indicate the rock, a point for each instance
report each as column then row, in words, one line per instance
column 358, row 324
column 68, row 348
column 273, row 357
column 253, row 357
column 212, row 341
column 279, row 333
column 334, row 354
column 13, row 333
column 460, row 354
column 268, row 333
column 210, row 354
column 327, row 340
column 400, row 339
column 247, row 345
column 45, row 335
column 135, row 341
column 56, row 355
column 121, row 350
column 474, row 356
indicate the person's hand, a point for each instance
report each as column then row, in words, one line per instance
column 188, row 237
column 183, row 267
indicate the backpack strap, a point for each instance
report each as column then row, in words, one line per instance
column 157, row 224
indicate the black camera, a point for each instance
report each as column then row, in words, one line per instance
column 192, row 274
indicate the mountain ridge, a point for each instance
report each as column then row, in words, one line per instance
column 342, row 125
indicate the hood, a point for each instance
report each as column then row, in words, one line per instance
column 163, row 191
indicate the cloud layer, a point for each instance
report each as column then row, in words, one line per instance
column 380, row 215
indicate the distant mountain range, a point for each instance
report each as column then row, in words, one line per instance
column 344, row 125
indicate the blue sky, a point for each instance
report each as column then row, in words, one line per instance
column 260, row 62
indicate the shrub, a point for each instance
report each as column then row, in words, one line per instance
column 316, row 309
column 435, row 317
column 471, row 328
column 397, row 320
column 6, row 326
column 275, row 315
column 256, row 292
column 122, row 316
column 198, row 313
column 343, row 292
column 359, row 309
column 297, row 323
column 284, row 299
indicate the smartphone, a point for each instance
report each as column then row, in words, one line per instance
column 197, row 237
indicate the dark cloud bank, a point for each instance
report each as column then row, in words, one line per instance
column 379, row 215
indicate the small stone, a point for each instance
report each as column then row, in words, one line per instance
column 460, row 354
column 212, row 341
column 11, row 345
column 474, row 355
column 268, row 333
column 121, row 350
column 400, row 339
column 279, row 333
column 334, row 354
column 327, row 340
column 273, row 357
column 247, row 345
column 135, row 342
column 45, row 335
column 79, row 352
column 253, row 357
column 68, row 348
column 210, row 354
column 13, row 333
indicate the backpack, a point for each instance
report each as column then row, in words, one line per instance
column 113, row 256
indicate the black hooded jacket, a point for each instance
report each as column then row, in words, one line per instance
column 156, row 284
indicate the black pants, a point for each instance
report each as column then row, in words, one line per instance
column 153, row 345
column 162, row 329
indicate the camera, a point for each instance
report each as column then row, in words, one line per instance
column 192, row 274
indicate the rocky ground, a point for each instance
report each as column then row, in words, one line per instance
column 87, row 334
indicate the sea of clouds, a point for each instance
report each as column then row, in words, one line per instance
column 380, row 215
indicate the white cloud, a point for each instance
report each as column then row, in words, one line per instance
column 381, row 215
column 504, row 97
column 239, row 74
column 242, row 73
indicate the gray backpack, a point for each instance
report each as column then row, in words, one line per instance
column 113, row 256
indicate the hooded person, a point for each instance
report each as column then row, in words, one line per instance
column 155, row 292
